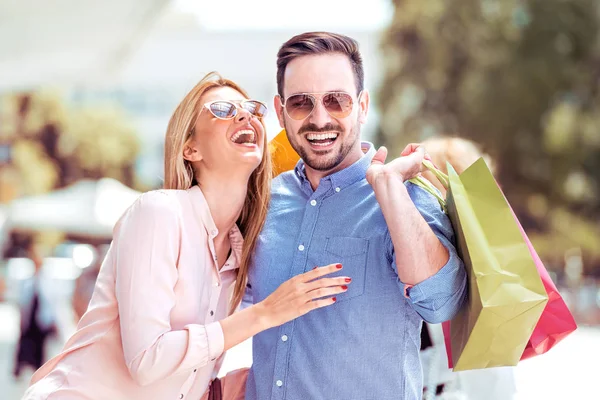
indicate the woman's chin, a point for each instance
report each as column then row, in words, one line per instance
column 251, row 160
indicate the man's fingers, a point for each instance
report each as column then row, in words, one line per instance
column 380, row 156
column 418, row 153
column 411, row 148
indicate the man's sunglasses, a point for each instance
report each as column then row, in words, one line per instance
column 337, row 104
column 224, row 109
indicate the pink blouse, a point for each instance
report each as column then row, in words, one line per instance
column 151, row 330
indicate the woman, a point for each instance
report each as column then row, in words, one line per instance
column 459, row 152
column 158, row 325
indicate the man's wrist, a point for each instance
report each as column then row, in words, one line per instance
column 385, row 178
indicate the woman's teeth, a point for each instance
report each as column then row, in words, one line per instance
column 244, row 136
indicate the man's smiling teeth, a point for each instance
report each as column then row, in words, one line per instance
column 321, row 136
column 244, row 136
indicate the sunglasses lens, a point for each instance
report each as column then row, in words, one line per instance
column 223, row 109
column 255, row 108
column 338, row 105
column 299, row 106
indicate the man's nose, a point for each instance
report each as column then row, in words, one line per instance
column 319, row 115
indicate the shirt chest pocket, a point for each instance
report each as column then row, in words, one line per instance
column 352, row 254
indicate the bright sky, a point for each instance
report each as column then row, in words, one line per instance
column 289, row 14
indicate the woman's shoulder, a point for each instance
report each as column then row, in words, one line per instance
column 160, row 201
column 161, row 204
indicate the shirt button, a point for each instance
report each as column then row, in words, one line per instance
column 217, row 284
column 195, row 369
column 284, row 338
column 313, row 202
column 212, row 313
column 214, row 232
column 337, row 189
column 301, row 247
column 181, row 396
column 279, row 383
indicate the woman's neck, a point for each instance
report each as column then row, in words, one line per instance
column 225, row 196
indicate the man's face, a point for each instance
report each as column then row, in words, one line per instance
column 324, row 142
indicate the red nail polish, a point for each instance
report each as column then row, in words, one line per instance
column 338, row 266
column 344, row 287
column 348, row 280
column 334, row 299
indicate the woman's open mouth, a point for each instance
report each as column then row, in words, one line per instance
column 244, row 137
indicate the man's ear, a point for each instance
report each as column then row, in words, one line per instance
column 277, row 103
column 363, row 106
column 190, row 151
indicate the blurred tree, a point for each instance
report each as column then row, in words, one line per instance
column 521, row 77
column 54, row 145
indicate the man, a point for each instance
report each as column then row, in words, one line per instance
column 341, row 204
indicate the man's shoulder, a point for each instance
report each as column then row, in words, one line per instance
column 420, row 196
column 285, row 183
column 427, row 204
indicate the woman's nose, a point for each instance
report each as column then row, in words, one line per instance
column 242, row 115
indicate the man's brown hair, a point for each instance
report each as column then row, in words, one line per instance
column 314, row 43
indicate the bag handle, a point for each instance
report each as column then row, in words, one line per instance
column 428, row 186
column 442, row 177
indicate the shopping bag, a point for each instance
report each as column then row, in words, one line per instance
column 506, row 293
column 556, row 321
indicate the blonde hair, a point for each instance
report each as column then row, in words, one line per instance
column 460, row 153
column 179, row 173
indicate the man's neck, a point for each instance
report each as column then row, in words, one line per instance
column 314, row 176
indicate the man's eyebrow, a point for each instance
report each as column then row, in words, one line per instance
column 327, row 91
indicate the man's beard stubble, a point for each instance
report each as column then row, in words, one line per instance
column 327, row 161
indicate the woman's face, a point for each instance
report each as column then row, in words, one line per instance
column 225, row 145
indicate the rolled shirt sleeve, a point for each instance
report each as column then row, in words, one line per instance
column 146, row 245
column 440, row 297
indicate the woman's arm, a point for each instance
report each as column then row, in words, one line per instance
column 294, row 298
column 145, row 254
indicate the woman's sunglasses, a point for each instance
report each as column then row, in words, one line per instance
column 225, row 109
column 337, row 104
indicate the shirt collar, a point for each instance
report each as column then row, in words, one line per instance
column 203, row 212
column 348, row 175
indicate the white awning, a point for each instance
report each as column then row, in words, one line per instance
column 69, row 41
column 88, row 208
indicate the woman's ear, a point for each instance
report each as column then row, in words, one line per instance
column 190, row 151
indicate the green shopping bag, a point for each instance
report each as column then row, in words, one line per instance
column 506, row 294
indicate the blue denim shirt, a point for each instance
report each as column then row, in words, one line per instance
column 366, row 345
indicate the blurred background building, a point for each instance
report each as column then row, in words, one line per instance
column 87, row 89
